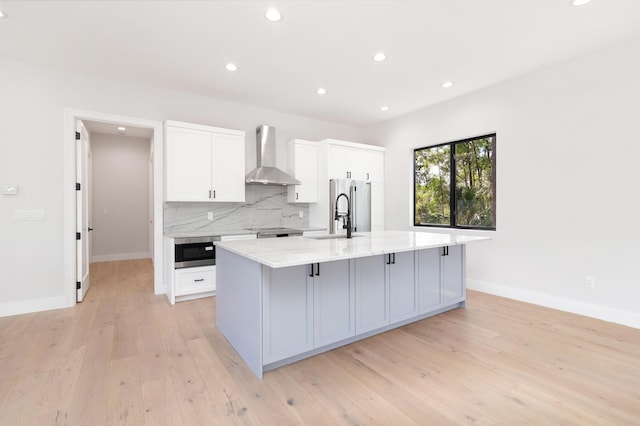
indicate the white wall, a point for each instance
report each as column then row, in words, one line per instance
column 32, row 155
column 120, row 197
column 568, row 179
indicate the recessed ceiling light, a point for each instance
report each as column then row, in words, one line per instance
column 379, row 57
column 447, row 84
column 231, row 67
column 273, row 15
column 121, row 130
column 384, row 108
column 579, row 2
column 321, row 91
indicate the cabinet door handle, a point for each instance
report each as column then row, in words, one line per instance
column 394, row 259
column 199, row 279
column 368, row 176
column 210, row 194
column 296, row 195
column 318, row 270
column 389, row 259
column 445, row 251
column 311, row 267
column 214, row 193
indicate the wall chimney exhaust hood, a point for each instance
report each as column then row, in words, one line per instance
column 266, row 172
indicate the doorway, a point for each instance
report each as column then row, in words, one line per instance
column 152, row 129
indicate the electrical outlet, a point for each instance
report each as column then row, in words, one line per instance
column 590, row 282
column 209, row 215
column 9, row 189
column 301, row 214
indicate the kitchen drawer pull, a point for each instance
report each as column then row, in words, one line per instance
column 198, row 280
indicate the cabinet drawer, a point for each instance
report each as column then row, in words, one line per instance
column 195, row 280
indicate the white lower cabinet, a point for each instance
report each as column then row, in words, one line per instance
column 386, row 290
column 372, row 293
column 287, row 313
column 428, row 277
column 200, row 279
column 333, row 302
column 441, row 277
column 453, row 276
column 403, row 289
column 308, row 307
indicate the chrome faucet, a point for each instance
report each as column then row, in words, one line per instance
column 346, row 217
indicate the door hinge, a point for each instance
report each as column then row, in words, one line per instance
column 78, row 186
column 78, row 236
column 78, row 285
column 77, row 136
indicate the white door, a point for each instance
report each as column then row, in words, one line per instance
column 83, row 242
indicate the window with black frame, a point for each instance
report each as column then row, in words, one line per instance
column 455, row 184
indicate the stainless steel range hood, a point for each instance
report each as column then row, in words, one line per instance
column 266, row 172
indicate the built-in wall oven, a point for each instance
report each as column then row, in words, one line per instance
column 195, row 251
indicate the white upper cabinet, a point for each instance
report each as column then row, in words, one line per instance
column 355, row 161
column 188, row 154
column 303, row 163
column 227, row 179
column 339, row 160
column 203, row 163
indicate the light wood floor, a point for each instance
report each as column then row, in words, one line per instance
column 124, row 356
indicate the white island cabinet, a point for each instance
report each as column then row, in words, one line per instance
column 280, row 300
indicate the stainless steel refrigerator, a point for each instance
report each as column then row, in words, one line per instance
column 359, row 195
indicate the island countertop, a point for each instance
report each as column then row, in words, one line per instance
column 293, row 251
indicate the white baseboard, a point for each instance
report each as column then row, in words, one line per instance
column 630, row 319
column 120, row 256
column 32, row 305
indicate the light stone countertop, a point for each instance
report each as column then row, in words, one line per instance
column 293, row 251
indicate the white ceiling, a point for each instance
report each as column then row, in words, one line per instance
column 184, row 45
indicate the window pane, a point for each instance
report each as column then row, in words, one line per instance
column 432, row 185
column 475, row 182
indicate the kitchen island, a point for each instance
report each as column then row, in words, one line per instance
column 285, row 299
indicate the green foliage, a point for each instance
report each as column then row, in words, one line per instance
column 474, row 184
column 432, row 185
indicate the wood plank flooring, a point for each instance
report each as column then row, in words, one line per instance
column 125, row 356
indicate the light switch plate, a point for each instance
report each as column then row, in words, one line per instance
column 28, row 215
column 9, row 189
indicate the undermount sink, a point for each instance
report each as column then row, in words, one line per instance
column 330, row 236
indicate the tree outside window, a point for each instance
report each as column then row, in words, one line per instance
column 471, row 201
